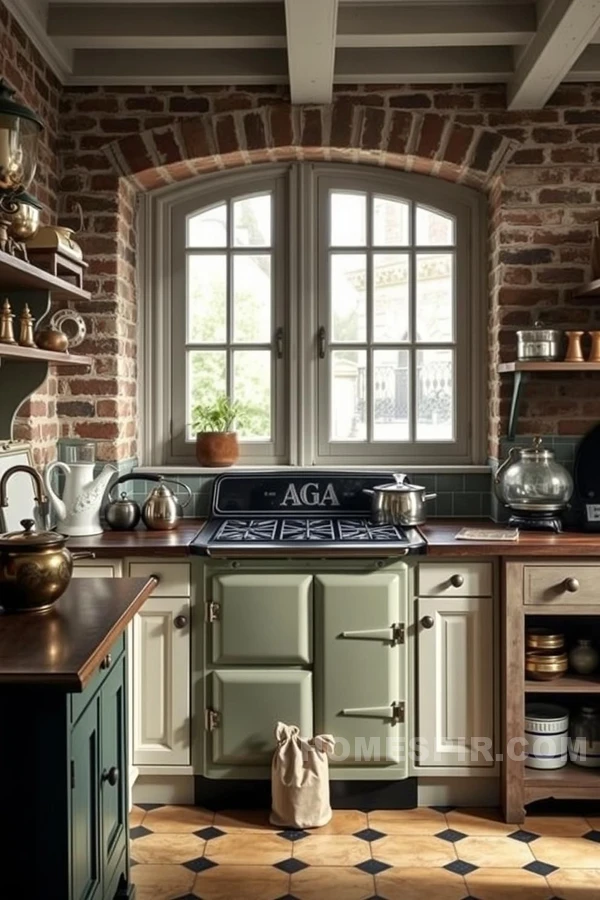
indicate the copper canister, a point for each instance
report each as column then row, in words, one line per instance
column 544, row 639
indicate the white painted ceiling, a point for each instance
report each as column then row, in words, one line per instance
column 311, row 44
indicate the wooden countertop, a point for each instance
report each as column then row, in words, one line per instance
column 63, row 646
column 440, row 535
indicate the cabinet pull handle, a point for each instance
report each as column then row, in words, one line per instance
column 106, row 662
column 571, row 585
column 180, row 621
column 321, row 341
column 427, row 621
column 457, row 581
column 112, row 776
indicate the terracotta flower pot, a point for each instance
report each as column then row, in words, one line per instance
column 217, row 448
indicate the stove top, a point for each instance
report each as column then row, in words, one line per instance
column 276, row 513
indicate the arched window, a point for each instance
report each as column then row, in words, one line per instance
column 341, row 306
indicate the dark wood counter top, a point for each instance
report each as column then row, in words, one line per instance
column 441, row 541
column 63, row 646
column 141, row 541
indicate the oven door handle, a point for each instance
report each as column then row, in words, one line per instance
column 394, row 711
column 372, row 634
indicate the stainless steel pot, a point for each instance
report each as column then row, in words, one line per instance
column 399, row 503
column 539, row 343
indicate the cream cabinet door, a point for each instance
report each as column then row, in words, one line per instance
column 161, row 682
column 97, row 568
column 455, row 687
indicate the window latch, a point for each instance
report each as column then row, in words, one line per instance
column 322, row 342
column 279, row 343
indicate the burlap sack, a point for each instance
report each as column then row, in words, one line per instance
column 300, row 779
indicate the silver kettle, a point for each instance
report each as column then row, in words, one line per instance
column 160, row 511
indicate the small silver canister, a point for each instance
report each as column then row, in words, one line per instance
column 539, row 343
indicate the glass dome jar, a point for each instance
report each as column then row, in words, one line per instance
column 531, row 480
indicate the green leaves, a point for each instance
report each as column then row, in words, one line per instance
column 222, row 415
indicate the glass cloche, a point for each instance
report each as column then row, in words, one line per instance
column 531, row 480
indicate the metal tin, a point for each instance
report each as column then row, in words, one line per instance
column 544, row 639
column 543, row 666
column 539, row 343
column 546, row 727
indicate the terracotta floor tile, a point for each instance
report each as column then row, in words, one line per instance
column 507, row 884
column 575, row 884
column 162, row 882
column 494, row 851
column 244, row 820
column 418, row 884
column 249, row 849
column 479, row 822
column 572, row 853
column 136, row 816
column 343, row 821
column 156, row 849
column 412, row 851
column 561, row 826
column 332, row 850
column 177, row 819
column 247, row 882
column 336, row 883
column 408, row 821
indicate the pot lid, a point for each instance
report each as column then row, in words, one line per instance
column 30, row 539
column 536, row 451
column 400, row 485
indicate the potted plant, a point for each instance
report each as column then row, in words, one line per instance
column 216, row 439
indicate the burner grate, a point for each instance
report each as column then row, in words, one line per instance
column 247, row 530
column 307, row 530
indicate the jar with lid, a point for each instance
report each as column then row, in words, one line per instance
column 531, row 480
column 584, row 737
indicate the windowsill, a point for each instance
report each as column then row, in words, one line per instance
column 217, row 470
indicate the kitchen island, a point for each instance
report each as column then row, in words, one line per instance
column 63, row 753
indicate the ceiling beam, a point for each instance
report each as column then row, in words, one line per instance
column 30, row 15
column 587, row 67
column 150, row 25
column 441, row 25
column 422, row 65
column 565, row 28
column 311, row 28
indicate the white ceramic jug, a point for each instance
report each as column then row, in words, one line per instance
column 79, row 510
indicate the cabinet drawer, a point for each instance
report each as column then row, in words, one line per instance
column 101, row 568
column 556, row 585
column 455, row 580
column 174, row 577
column 80, row 701
column 262, row 619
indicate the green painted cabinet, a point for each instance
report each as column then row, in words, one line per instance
column 86, row 864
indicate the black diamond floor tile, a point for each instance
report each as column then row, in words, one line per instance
column 291, row 865
column 460, row 867
column 540, row 868
column 207, row 834
column 138, row 832
column 451, row 835
column 369, row 834
column 443, row 809
column 188, row 897
column 149, row 806
column 201, row 864
column 287, row 897
column 293, row 834
column 526, row 837
column 372, row 866
column 593, row 836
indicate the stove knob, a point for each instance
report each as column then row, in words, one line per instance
column 427, row 621
column 457, row 580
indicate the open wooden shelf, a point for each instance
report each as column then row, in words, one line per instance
column 569, row 776
column 18, row 275
column 568, row 684
column 34, row 354
column 591, row 289
column 549, row 367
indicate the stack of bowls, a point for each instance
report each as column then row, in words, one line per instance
column 546, row 736
column 545, row 657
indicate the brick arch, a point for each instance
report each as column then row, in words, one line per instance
column 427, row 143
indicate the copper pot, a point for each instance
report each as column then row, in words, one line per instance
column 35, row 568
column 217, row 448
column 52, row 339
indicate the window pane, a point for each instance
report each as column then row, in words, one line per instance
column 435, row 395
column 348, row 395
column 348, row 219
column 208, row 228
column 252, row 221
column 252, row 298
column 390, row 297
column 435, row 297
column 207, row 297
column 206, row 380
column 434, row 228
column 390, row 222
column 391, row 385
column 252, row 388
column 348, row 296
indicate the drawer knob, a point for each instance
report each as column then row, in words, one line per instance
column 106, row 662
column 457, row 580
column 427, row 621
column 180, row 621
column 571, row 584
column 112, row 776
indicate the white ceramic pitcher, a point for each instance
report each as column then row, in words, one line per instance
column 79, row 509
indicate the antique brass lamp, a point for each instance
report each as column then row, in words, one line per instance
column 19, row 131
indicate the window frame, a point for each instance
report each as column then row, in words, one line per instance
column 298, row 275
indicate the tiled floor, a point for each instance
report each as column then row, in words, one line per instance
column 184, row 853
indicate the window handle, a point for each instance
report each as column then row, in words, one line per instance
column 279, row 343
column 322, row 342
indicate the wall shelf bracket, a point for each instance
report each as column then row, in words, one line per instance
column 519, row 379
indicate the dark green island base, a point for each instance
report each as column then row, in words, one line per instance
column 63, row 744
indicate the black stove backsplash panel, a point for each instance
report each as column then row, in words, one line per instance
column 287, row 494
